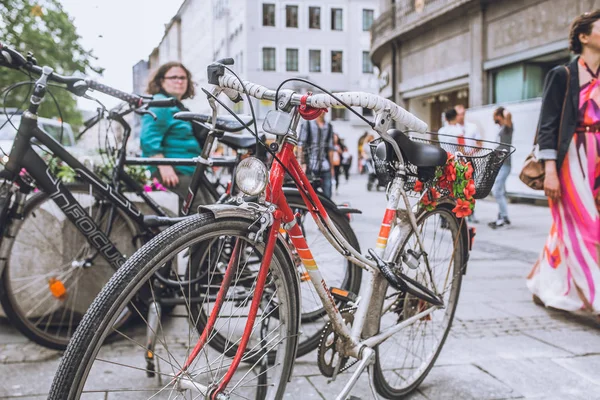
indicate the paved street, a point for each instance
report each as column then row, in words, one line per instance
column 502, row 346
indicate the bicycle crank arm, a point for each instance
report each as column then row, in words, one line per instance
column 399, row 282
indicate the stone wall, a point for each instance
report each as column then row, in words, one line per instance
column 515, row 26
column 440, row 54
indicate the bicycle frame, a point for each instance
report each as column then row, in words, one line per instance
column 366, row 319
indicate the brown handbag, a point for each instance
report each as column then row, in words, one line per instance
column 533, row 173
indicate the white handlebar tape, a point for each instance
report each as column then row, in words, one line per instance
column 354, row 99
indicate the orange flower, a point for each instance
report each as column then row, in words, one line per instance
column 469, row 189
column 418, row 186
column 463, row 208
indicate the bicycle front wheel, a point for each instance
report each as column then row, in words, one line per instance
column 121, row 368
column 52, row 274
column 405, row 359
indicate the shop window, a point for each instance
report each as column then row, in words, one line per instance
column 521, row 81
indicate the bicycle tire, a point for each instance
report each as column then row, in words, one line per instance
column 309, row 339
column 408, row 305
column 16, row 282
column 97, row 323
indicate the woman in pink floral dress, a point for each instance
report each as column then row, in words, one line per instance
column 567, row 274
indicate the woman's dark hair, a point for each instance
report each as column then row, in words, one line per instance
column 155, row 84
column 581, row 25
column 499, row 112
column 450, row 114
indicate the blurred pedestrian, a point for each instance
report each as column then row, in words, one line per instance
column 503, row 119
column 567, row 274
column 336, row 160
column 315, row 150
column 346, row 161
column 469, row 130
column 361, row 162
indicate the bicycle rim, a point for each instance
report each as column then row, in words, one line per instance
column 405, row 359
column 176, row 334
column 46, row 289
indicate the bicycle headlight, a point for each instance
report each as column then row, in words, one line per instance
column 251, row 176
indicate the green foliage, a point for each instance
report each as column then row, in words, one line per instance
column 44, row 28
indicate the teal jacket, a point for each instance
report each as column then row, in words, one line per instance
column 168, row 136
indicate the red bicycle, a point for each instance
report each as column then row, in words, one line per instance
column 394, row 327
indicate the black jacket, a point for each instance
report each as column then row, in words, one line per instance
column 551, row 128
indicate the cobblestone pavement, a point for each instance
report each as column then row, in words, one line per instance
column 501, row 346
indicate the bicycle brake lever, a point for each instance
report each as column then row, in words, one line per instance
column 142, row 111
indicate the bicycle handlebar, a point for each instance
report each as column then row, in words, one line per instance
column 132, row 99
column 322, row 100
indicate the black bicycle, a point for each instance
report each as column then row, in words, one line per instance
column 87, row 231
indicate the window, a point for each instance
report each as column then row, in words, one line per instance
column 339, row 114
column 520, row 81
column 291, row 16
column 336, row 19
column 314, row 17
column 367, row 65
column 314, row 60
column 336, row 61
column 291, row 59
column 268, row 14
column 367, row 19
column 268, row 59
column 366, row 112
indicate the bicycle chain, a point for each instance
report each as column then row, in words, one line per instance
column 326, row 368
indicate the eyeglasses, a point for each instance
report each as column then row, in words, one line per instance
column 175, row 78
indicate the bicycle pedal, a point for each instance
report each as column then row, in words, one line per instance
column 343, row 295
column 353, row 398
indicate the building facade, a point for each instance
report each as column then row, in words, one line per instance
column 434, row 54
column 273, row 40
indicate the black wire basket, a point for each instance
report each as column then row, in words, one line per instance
column 486, row 158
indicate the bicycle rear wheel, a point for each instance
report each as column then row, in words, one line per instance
column 119, row 369
column 405, row 359
column 45, row 289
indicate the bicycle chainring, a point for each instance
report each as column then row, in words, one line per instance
column 328, row 357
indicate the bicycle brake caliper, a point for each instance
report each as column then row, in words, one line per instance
column 265, row 220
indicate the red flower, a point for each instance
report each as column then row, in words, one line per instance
column 463, row 208
column 469, row 189
column 443, row 183
column 418, row 186
column 450, row 172
column 469, row 171
column 434, row 193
